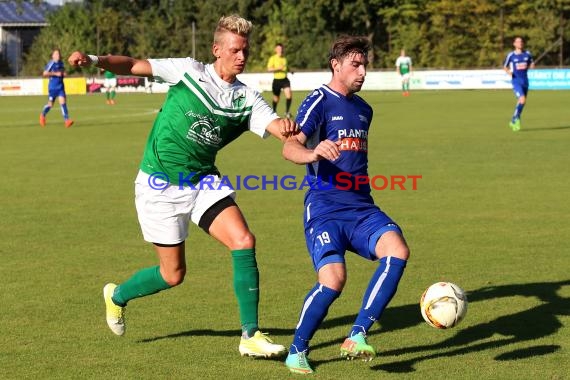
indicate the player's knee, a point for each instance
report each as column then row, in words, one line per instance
column 392, row 243
column 402, row 252
column 341, row 281
column 334, row 283
column 333, row 276
column 243, row 240
column 175, row 277
column 395, row 248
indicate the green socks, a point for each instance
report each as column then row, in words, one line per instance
column 246, row 286
column 143, row 283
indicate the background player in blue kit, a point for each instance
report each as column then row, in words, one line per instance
column 516, row 65
column 55, row 71
column 332, row 141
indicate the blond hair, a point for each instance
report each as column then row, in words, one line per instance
column 234, row 24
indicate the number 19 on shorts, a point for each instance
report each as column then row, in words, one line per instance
column 324, row 238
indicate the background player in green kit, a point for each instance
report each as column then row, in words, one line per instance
column 404, row 68
column 206, row 108
column 110, row 86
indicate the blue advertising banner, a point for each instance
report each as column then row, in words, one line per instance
column 549, row 79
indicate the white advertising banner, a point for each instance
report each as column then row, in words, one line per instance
column 384, row 80
column 21, row 87
column 539, row 79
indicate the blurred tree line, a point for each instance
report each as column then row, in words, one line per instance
column 447, row 34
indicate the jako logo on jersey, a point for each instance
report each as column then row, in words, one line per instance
column 204, row 133
column 363, row 119
column 336, row 118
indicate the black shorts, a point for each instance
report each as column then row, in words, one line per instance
column 279, row 84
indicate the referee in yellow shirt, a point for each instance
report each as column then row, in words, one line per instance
column 278, row 66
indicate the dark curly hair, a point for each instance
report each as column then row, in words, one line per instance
column 346, row 45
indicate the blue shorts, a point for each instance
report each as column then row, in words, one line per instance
column 53, row 94
column 520, row 90
column 337, row 228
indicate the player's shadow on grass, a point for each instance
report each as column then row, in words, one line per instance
column 209, row 332
column 543, row 129
column 524, row 326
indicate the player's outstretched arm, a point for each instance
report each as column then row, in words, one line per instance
column 295, row 150
column 118, row 64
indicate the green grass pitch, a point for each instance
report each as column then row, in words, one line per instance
column 490, row 213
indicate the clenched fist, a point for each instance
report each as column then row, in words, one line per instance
column 78, row 59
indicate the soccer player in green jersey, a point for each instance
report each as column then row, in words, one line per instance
column 110, row 85
column 206, row 108
column 404, row 68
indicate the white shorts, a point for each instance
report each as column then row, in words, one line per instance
column 405, row 76
column 164, row 215
column 110, row 82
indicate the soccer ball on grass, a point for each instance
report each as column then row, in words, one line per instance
column 443, row 305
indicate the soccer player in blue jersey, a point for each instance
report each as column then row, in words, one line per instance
column 55, row 71
column 516, row 65
column 340, row 213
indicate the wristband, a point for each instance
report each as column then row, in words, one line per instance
column 94, row 59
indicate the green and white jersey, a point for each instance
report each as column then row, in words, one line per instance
column 201, row 114
column 404, row 64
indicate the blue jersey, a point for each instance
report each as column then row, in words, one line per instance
column 519, row 64
column 340, row 213
column 326, row 114
column 55, row 83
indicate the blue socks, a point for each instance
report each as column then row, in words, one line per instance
column 315, row 308
column 518, row 111
column 380, row 291
column 64, row 111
